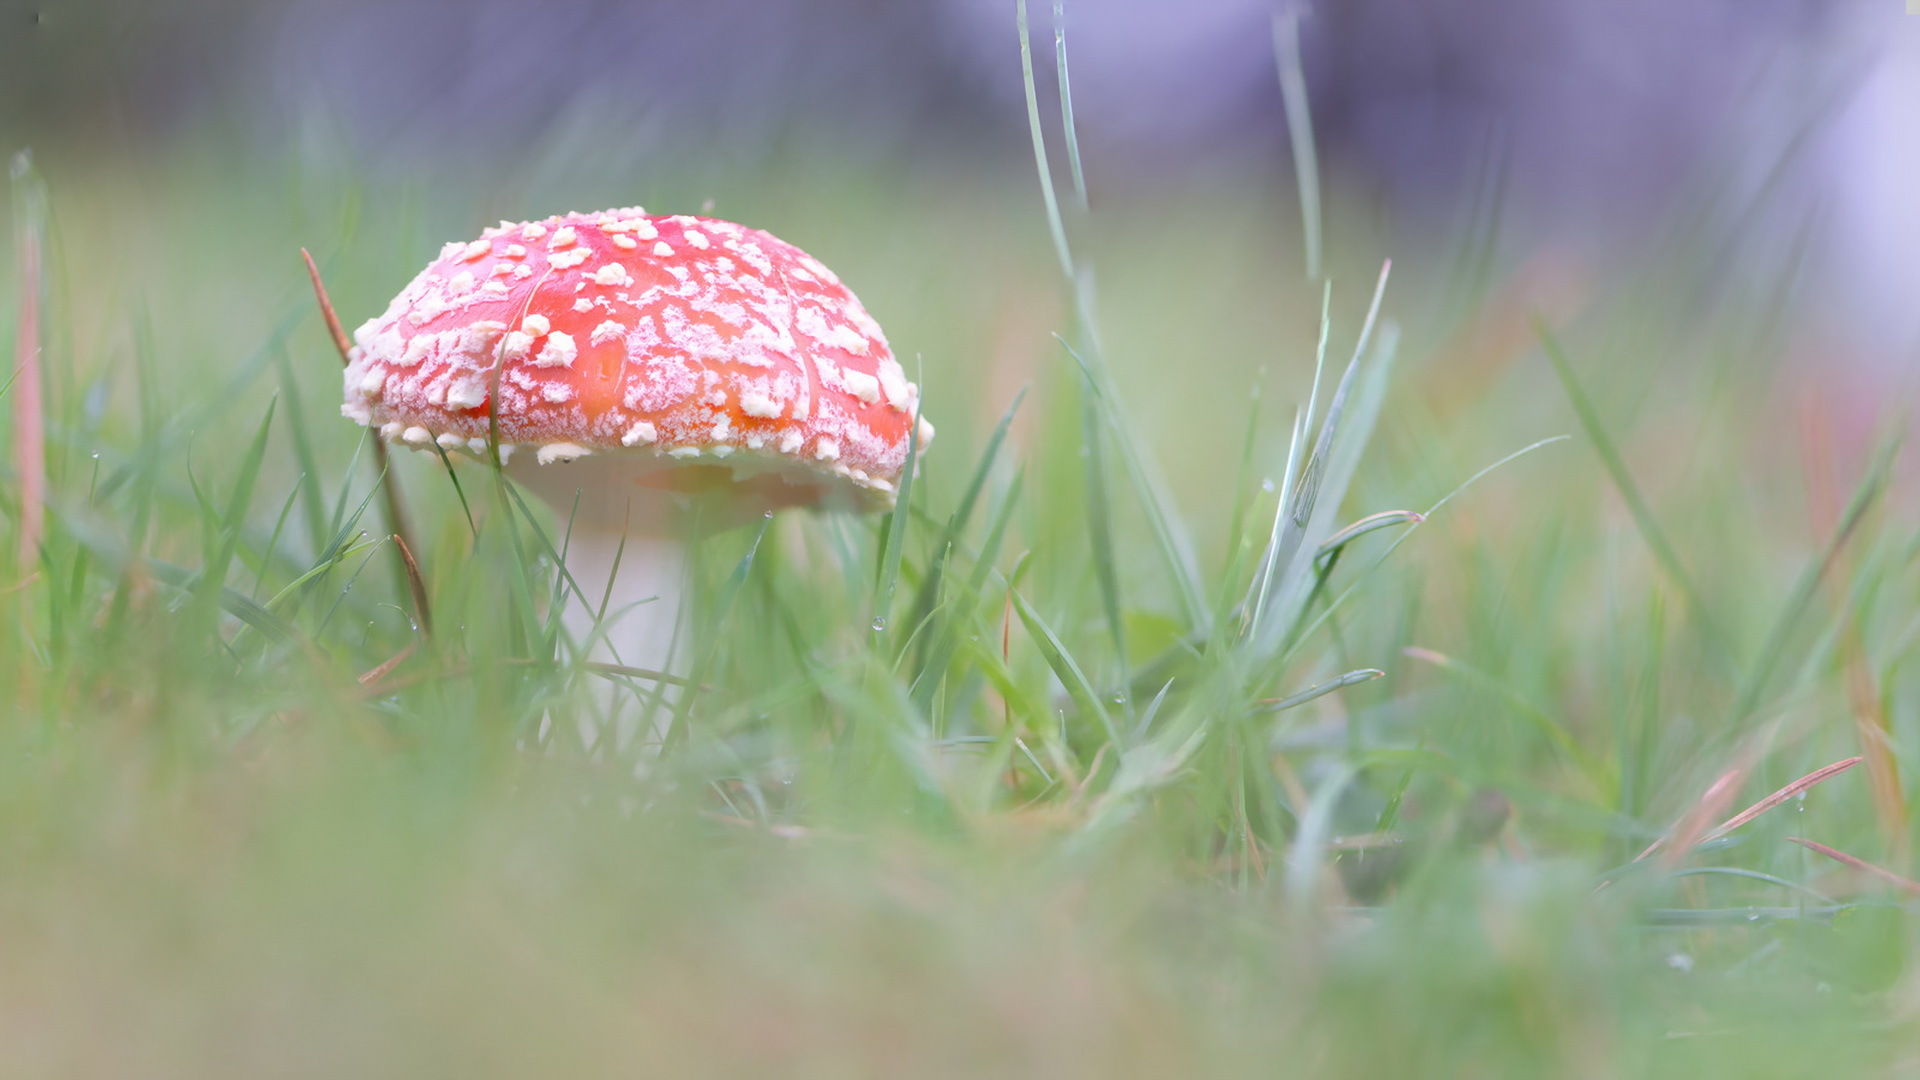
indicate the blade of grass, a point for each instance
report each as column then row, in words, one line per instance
column 1066, row 103
column 1872, row 484
column 1887, row 876
column 1054, row 225
column 312, row 503
column 29, row 437
column 1293, row 94
column 233, row 521
column 894, row 537
column 1171, row 540
column 1100, row 522
column 1643, row 517
column 1351, row 678
column 956, row 626
column 389, row 483
column 1306, row 855
column 1064, row 666
column 963, row 513
column 1827, row 772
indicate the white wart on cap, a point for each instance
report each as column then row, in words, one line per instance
column 661, row 339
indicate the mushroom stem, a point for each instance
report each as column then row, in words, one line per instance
column 628, row 564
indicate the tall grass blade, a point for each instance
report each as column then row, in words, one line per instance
column 312, row 501
column 1100, row 522
column 894, row 537
column 232, row 522
column 957, row 625
column 1066, row 104
column 1872, row 485
column 1293, row 94
column 1054, row 225
column 1174, row 544
column 1063, row 665
column 29, row 408
column 963, row 513
column 1623, row 482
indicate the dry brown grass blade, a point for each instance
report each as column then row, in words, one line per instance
column 416, row 585
column 29, row 420
column 389, row 484
column 339, row 335
column 1816, row 776
column 1876, row 872
column 371, row 678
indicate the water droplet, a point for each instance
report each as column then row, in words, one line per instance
column 1119, row 699
column 768, row 515
column 879, row 623
column 1266, row 484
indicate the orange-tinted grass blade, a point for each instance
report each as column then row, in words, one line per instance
column 340, row 339
column 389, row 485
column 373, row 675
column 415, row 584
column 1816, row 776
column 1878, row 873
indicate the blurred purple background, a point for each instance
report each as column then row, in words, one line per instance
column 1587, row 124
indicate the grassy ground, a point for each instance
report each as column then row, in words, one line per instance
column 1023, row 781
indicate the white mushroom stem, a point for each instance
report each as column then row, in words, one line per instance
column 604, row 518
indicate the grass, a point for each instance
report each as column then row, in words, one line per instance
column 1141, row 739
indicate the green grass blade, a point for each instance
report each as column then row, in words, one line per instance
column 963, row 513
column 233, row 521
column 957, row 624
column 1872, row 485
column 1054, row 225
column 1643, row 517
column 1100, row 522
column 1293, row 701
column 893, row 537
column 312, row 503
column 1063, row 665
column 1171, row 540
column 1306, row 165
column 1066, row 103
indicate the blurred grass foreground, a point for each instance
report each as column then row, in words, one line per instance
column 1266, row 673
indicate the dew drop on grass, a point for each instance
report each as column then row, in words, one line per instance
column 879, row 623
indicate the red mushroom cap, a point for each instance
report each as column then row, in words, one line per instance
column 662, row 339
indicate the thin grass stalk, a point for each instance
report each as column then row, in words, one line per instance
column 397, row 519
column 1306, row 164
column 29, row 419
column 1176, row 548
column 1637, row 506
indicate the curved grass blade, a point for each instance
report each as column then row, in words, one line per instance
column 1351, row 678
column 1063, row 665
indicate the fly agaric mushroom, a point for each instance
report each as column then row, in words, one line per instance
column 652, row 352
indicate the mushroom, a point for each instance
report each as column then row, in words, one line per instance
column 623, row 357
